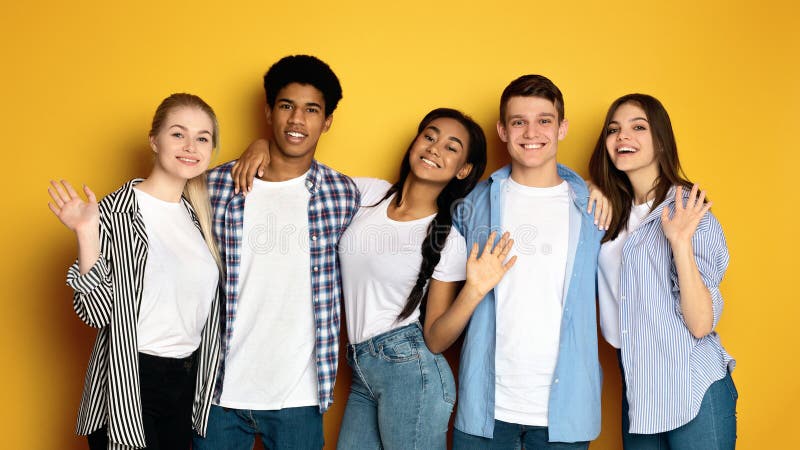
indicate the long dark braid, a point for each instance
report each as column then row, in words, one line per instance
column 456, row 189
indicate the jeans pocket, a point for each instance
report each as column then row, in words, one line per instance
column 446, row 376
column 398, row 352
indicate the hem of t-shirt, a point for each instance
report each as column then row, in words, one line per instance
column 267, row 406
column 533, row 420
column 166, row 353
column 404, row 323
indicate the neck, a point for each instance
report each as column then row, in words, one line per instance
column 282, row 167
column 643, row 182
column 545, row 176
column 418, row 199
column 162, row 186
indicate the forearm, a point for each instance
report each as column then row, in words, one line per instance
column 695, row 298
column 88, row 248
column 445, row 329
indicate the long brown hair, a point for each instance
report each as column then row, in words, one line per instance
column 615, row 183
column 196, row 189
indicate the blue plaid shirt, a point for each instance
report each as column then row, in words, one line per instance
column 333, row 203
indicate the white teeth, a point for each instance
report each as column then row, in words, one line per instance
column 532, row 146
column 295, row 134
column 626, row 150
column 189, row 160
column 429, row 162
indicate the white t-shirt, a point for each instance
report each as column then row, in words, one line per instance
column 609, row 264
column 529, row 300
column 380, row 260
column 271, row 361
column 180, row 280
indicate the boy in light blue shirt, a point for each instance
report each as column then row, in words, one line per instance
column 529, row 373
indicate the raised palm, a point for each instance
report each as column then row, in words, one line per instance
column 485, row 272
column 75, row 213
column 683, row 223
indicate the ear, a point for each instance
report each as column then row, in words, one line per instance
column 562, row 129
column 153, row 144
column 465, row 170
column 327, row 125
column 501, row 131
column 268, row 114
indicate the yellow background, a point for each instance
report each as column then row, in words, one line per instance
column 80, row 81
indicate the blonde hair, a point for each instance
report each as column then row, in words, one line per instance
column 196, row 189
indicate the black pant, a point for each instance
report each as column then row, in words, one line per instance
column 167, row 388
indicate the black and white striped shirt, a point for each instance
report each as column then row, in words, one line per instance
column 108, row 297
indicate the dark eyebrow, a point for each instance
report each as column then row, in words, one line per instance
column 455, row 139
column 452, row 138
column 547, row 115
column 291, row 102
column 639, row 118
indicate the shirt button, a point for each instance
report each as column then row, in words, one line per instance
column 556, row 381
column 622, row 298
column 624, row 331
column 316, row 269
column 314, row 237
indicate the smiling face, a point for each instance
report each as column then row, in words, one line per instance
column 629, row 141
column 531, row 132
column 184, row 143
column 439, row 152
column 298, row 120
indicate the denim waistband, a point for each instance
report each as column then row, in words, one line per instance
column 407, row 332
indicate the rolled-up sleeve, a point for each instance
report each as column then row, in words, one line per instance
column 93, row 297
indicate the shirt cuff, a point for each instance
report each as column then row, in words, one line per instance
column 90, row 280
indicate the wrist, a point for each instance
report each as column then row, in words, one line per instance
column 473, row 293
column 88, row 231
column 681, row 247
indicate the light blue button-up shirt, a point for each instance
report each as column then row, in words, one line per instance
column 667, row 370
column 574, row 405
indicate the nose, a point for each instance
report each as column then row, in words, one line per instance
column 296, row 116
column 189, row 145
column 622, row 135
column 433, row 149
column 530, row 131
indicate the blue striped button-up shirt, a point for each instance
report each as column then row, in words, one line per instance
column 667, row 369
column 574, row 404
column 333, row 203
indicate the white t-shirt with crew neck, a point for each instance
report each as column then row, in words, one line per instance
column 180, row 280
column 271, row 362
column 529, row 300
column 609, row 265
column 380, row 259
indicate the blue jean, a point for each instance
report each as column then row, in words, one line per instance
column 401, row 396
column 512, row 436
column 714, row 427
column 236, row 429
